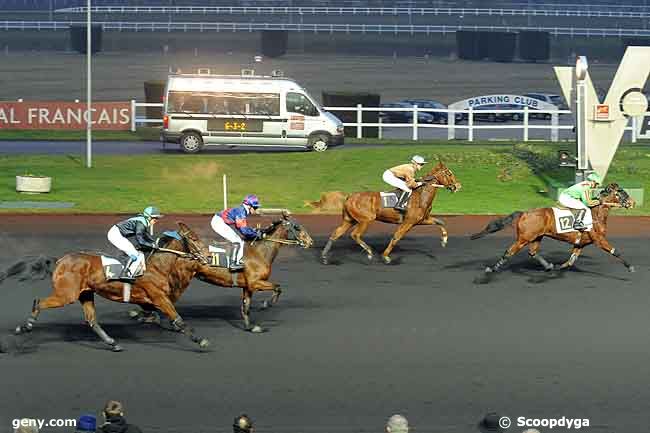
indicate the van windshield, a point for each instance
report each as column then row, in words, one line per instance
column 229, row 103
column 299, row 103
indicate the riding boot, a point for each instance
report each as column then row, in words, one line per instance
column 577, row 222
column 126, row 271
column 402, row 201
column 235, row 265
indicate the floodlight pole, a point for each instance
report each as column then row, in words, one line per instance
column 89, row 113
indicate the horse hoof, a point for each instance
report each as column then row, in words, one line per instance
column 443, row 244
column 550, row 267
column 387, row 259
column 324, row 261
column 488, row 270
column 631, row 269
column 370, row 258
column 204, row 343
column 117, row 348
column 134, row 314
column 257, row 329
column 18, row 330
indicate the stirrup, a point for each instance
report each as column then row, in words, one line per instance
column 236, row 267
column 579, row 225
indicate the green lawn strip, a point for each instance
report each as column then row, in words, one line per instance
column 496, row 179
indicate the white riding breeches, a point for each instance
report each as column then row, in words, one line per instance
column 395, row 181
column 124, row 245
column 573, row 203
column 226, row 232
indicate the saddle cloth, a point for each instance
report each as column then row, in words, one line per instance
column 113, row 268
column 221, row 254
column 389, row 199
column 564, row 219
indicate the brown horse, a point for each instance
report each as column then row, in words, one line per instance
column 259, row 256
column 534, row 225
column 78, row 276
column 362, row 208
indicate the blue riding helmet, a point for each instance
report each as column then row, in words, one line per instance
column 151, row 212
column 252, row 201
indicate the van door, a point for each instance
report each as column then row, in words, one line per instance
column 303, row 118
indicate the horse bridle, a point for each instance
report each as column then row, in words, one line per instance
column 293, row 233
column 443, row 170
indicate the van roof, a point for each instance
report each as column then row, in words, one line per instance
column 199, row 82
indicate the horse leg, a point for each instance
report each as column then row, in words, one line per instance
column 37, row 306
column 399, row 234
column 166, row 306
column 606, row 246
column 533, row 252
column 246, row 300
column 88, row 304
column 575, row 253
column 431, row 220
column 337, row 233
column 146, row 314
column 356, row 234
column 514, row 249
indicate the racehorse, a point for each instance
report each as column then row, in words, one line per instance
column 79, row 275
column 534, row 225
column 258, row 256
column 362, row 208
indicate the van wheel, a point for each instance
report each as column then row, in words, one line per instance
column 318, row 143
column 191, row 142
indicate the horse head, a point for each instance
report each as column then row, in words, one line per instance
column 193, row 244
column 613, row 194
column 292, row 231
column 442, row 175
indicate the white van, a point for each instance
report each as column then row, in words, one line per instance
column 247, row 110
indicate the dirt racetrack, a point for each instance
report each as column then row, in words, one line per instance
column 349, row 344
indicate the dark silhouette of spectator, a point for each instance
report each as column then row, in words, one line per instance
column 242, row 424
column 115, row 422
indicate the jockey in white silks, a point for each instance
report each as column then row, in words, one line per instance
column 403, row 177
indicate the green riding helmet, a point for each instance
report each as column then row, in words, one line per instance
column 151, row 212
column 594, row 177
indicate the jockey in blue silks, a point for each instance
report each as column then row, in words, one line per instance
column 232, row 225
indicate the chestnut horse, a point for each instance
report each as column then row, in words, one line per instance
column 259, row 256
column 534, row 225
column 362, row 208
column 78, row 276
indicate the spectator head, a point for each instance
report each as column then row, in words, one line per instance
column 113, row 409
column 27, row 426
column 242, row 424
column 397, row 424
column 86, row 424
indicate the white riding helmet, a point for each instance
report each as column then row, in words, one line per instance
column 418, row 159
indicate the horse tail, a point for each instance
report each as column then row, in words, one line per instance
column 497, row 225
column 30, row 268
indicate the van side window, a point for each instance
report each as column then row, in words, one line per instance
column 298, row 103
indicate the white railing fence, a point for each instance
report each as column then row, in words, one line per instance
column 456, row 119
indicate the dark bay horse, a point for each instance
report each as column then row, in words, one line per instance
column 78, row 276
column 259, row 256
column 362, row 208
column 534, row 225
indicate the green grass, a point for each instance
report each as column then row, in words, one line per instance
column 498, row 178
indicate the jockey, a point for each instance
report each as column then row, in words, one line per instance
column 232, row 224
column 133, row 235
column 579, row 196
column 403, row 177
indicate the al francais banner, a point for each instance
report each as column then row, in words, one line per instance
column 64, row 115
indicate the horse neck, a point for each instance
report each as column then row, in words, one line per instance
column 600, row 214
column 270, row 249
column 427, row 196
column 177, row 270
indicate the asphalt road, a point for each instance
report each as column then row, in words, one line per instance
column 350, row 344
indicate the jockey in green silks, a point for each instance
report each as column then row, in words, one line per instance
column 579, row 196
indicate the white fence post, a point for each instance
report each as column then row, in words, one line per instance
column 634, row 126
column 415, row 123
column 470, row 124
column 359, row 121
column 225, row 192
column 555, row 132
column 526, row 123
column 133, row 109
column 451, row 123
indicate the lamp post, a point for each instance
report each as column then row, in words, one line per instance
column 89, row 115
column 581, row 117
